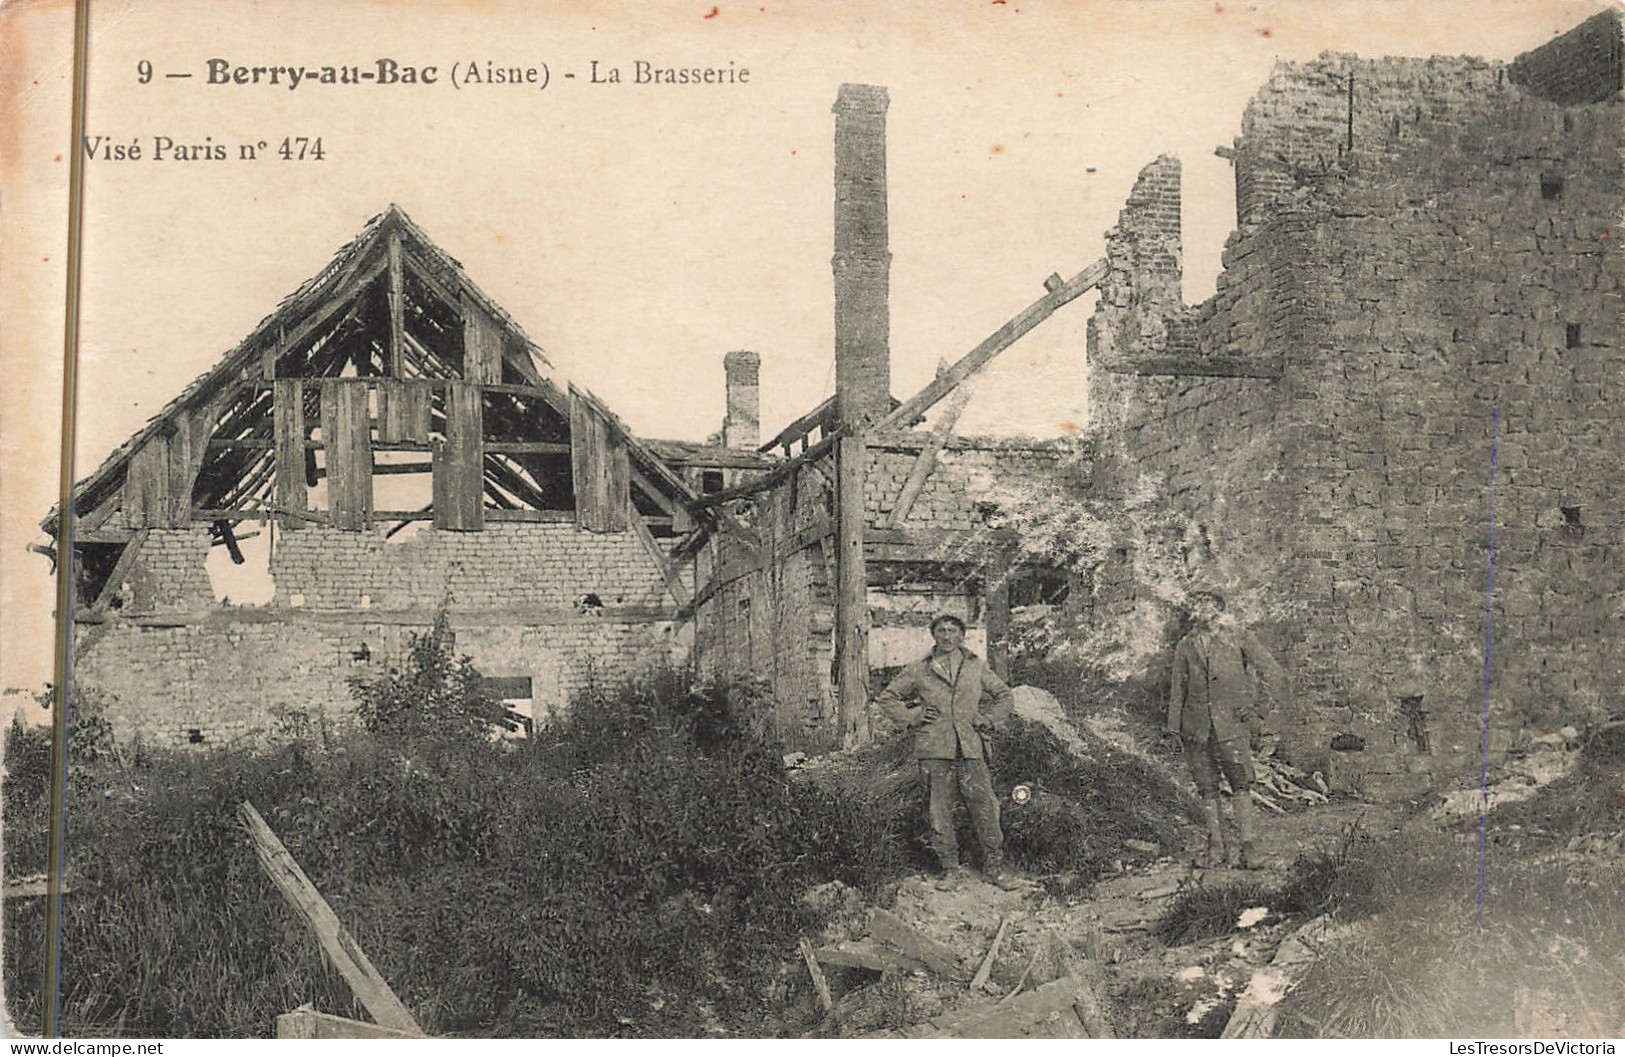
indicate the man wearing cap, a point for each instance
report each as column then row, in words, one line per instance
column 1214, row 707
column 953, row 701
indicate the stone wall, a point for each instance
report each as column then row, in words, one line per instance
column 564, row 607
column 1436, row 269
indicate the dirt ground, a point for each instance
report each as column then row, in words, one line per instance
column 1064, row 960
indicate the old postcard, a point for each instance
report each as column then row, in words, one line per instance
column 1018, row 519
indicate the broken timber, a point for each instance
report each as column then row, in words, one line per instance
column 341, row 948
column 926, row 460
column 910, row 411
column 939, row 957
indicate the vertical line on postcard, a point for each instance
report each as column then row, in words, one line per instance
column 63, row 668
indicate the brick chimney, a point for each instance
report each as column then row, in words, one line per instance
column 862, row 261
column 742, row 428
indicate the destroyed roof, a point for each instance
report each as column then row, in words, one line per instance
column 315, row 299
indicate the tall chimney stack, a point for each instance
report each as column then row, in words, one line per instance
column 742, row 428
column 862, row 261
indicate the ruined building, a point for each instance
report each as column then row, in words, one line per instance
column 1422, row 295
column 389, row 441
column 396, row 448
column 1423, row 289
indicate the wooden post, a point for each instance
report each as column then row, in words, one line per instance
column 851, row 591
column 341, row 948
column 996, row 608
column 397, row 306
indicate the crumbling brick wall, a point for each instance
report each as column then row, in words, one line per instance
column 1433, row 251
column 566, row 607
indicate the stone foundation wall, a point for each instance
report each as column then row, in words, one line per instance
column 564, row 607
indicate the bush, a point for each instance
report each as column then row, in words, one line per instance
column 638, row 872
column 437, row 694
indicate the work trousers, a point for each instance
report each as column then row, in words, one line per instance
column 1210, row 756
column 976, row 784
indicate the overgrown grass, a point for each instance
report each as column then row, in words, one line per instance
column 637, row 870
column 1547, row 962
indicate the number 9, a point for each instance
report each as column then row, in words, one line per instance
column 143, row 70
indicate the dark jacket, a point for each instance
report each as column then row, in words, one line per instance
column 976, row 700
column 1217, row 678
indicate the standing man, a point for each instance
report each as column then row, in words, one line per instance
column 1214, row 707
column 956, row 703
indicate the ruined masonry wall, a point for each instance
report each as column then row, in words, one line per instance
column 1460, row 261
column 240, row 673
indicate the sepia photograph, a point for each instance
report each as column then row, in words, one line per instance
column 1020, row 519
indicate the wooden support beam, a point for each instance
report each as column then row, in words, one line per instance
column 397, row 306
column 852, row 592
column 910, row 410
column 819, row 417
column 121, row 569
column 996, row 608
column 668, row 571
column 341, row 948
column 926, row 460
column 526, row 447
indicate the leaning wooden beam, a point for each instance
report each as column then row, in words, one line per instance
column 771, row 478
column 910, row 410
column 121, row 569
column 926, row 460
column 341, row 948
column 668, row 572
column 825, row 1000
column 307, row 1023
column 1059, row 295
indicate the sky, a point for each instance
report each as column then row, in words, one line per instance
column 636, row 232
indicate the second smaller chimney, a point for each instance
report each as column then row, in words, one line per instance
column 742, row 428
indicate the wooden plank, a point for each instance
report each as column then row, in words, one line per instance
column 668, row 572
column 459, row 473
column 911, row 409
column 600, row 469
column 397, row 306
column 340, row 947
column 403, row 411
column 852, row 592
column 347, row 438
column 862, row 954
column 288, row 414
column 307, row 1023
column 819, row 983
column 985, row 970
column 482, row 344
column 941, row 958
column 146, row 484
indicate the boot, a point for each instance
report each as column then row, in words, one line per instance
column 1214, row 854
column 1243, row 808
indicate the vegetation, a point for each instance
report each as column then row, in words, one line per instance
column 638, row 869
